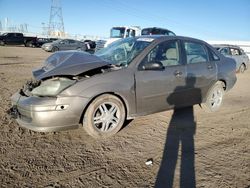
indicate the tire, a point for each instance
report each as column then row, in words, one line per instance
column 29, row 44
column 104, row 117
column 55, row 49
column 214, row 97
column 2, row 43
column 242, row 68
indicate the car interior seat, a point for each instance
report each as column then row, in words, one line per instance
column 171, row 57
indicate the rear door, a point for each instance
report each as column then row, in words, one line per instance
column 19, row 38
column 157, row 90
column 201, row 70
column 73, row 45
column 10, row 38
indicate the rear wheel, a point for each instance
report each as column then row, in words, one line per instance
column 55, row 49
column 29, row 44
column 214, row 97
column 104, row 117
column 242, row 68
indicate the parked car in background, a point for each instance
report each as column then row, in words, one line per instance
column 17, row 39
column 157, row 31
column 41, row 41
column 132, row 77
column 89, row 45
column 235, row 52
column 63, row 44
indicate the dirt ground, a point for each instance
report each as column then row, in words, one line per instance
column 187, row 148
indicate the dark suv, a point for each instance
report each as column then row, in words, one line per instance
column 157, row 31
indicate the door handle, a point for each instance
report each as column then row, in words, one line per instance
column 177, row 73
column 209, row 67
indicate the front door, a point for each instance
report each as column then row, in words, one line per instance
column 157, row 90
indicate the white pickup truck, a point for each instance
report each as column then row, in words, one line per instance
column 117, row 33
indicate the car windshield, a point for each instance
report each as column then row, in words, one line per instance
column 123, row 51
column 117, row 32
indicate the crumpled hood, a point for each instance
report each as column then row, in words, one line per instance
column 70, row 63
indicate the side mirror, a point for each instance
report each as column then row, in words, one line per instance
column 153, row 65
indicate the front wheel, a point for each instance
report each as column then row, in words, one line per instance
column 2, row 43
column 104, row 117
column 214, row 97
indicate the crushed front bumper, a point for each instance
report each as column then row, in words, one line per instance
column 47, row 114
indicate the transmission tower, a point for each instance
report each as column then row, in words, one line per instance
column 56, row 25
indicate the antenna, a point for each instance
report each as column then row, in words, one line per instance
column 56, row 25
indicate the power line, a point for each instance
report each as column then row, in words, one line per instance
column 123, row 7
column 56, row 23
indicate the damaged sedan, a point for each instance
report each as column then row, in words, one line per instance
column 132, row 77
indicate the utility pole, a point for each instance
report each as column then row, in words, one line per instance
column 45, row 29
column 56, row 25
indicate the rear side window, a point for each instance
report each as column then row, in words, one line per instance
column 19, row 35
column 235, row 51
column 242, row 52
column 171, row 33
column 195, row 52
column 64, row 42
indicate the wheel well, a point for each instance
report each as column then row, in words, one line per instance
column 224, row 84
column 243, row 63
column 111, row 93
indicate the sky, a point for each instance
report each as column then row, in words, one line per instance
column 203, row 19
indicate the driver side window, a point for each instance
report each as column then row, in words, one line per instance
column 166, row 52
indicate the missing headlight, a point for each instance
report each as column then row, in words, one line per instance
column 28, row 87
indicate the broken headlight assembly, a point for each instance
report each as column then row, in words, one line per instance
column 52, row 87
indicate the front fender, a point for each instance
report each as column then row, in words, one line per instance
column 120, row 83
column 123, row 91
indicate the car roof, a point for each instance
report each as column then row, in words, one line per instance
column 225, row 45
column 167, row 37
column 156, row 28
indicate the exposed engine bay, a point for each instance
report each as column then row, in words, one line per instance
column 66, row 81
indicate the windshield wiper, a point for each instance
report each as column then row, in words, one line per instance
column 123, row 64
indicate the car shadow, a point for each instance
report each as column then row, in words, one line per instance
column 179, row 145
column 126, row 123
